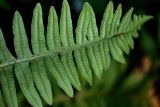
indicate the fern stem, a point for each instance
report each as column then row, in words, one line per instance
column 62, row 50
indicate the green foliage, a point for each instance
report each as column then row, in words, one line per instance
column 112, row 91
column 67, row 57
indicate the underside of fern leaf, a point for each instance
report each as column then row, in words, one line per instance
column 65, row 57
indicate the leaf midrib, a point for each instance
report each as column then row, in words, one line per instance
column 60, row 50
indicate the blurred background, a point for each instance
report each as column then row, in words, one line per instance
column 134, row 84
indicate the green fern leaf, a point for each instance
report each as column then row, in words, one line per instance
column 55, row 65
column 66, row 35
column 81, row 57
column 38, row 66
column 6, row 75
column 23, row 71
column 66, row 57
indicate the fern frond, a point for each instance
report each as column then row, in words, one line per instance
column 64, row 56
